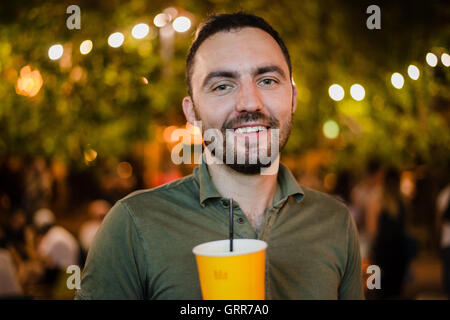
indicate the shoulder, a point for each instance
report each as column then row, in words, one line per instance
column 327, row 209
column 178, row 192
column 323, row 201
column 180, row 185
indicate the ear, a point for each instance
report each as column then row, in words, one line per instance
column 188, row 109
column 294, row 97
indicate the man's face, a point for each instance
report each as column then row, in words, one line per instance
column 241, row 86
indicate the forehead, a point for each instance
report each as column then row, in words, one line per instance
column 237, row 50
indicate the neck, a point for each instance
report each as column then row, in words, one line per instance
column 254, row 193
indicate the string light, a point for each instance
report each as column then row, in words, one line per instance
column 140, row 31
column 116, row 39
column 397, row 80
column 445, row 58
column 181, row 24
column 86, row 46
column 336, row 92
column 161, row 19
column 357, row 92
column 431, row 59
column 413, row 72
column 55, row 51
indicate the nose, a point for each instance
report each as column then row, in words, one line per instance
column 249, row 99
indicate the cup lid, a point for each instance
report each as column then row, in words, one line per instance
column 221, row 248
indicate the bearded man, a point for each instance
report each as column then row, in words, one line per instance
column 240, row 87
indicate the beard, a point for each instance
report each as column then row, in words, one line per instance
column 245, row 155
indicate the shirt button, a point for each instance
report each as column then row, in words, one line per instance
column 225, row 203
column 241, row 220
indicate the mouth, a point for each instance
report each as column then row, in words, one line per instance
column 251, row 128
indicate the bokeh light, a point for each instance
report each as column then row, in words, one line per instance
column 330, row 129
column 124, row 170
column 161, row 19
column 336, row 92
column 431, row 59
column 116, row 39
column 171, row 12
column 55, row 51
column 90, row 155
column 445, row 59
column 357, row 92
column 86, row 46
column 77, row 74
column 167, row 134
column 181, row 24
column 29, row 82
column 329, row 181
column 397, row 80
column 413, row 72
column 407, row 184
column 140, row 31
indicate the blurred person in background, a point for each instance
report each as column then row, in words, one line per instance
column 97, row 210
column 20, row 243
column 38, row 185
column 364, row 205
column 15, row 233
column 366, row 198
column 55, row 244
column 9, row 280
column 56, row 248
column 392, row 249
column 443, row 224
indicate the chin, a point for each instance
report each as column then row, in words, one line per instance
column 250, row 169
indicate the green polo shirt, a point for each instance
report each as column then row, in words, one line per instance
column 143, row 250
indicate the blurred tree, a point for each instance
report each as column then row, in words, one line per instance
column 101, row 101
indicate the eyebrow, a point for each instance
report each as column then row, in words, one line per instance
column 235, row 75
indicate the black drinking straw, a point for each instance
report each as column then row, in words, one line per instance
column 231, row 224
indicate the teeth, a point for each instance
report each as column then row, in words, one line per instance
column 250, row 129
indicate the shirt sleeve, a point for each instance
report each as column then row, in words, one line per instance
column 115, row 265
column 351, row 286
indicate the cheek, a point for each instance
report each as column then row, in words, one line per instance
column 279, row 105
column 214, row 111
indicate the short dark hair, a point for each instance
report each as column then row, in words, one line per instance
column 226, row 22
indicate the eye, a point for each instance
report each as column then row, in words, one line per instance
column 267, row 82
column 221, row 87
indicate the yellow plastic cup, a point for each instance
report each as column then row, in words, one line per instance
column 235, row 275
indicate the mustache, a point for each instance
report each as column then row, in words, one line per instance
column 246, row 117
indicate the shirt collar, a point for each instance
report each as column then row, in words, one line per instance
column 287, row 185
column 207, row 188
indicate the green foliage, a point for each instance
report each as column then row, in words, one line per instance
column 99, row 100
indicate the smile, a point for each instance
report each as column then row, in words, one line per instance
column 250, row 129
